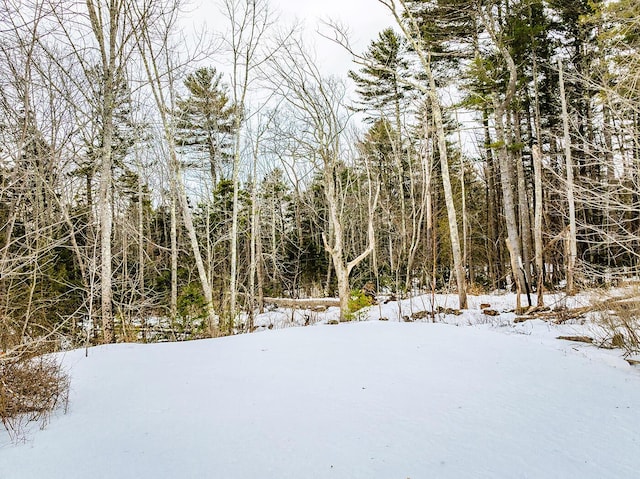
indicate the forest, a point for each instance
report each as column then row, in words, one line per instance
column 158, row 186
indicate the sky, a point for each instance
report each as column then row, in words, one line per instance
column 363, row 18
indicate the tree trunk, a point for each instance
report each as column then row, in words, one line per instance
column 537, row 168
column 508, row 201
column 336, row 245
column 173, row 311
column 506, row 167
column 411, row 30
column 523, row 208
column 572, row 245
column 449, row 199
column 259, row 269
column 108, row 52
column 344, row 292
column 141, row 269
column 212, row 319
column 233, row 275
column 538, row 195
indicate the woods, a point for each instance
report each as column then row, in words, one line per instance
column 157, row 187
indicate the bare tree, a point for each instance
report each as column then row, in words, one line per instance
column 109, row 25
column 249, row 22
column 35, row 144
column 317, row 104
column 411, row 31
column 153, row 37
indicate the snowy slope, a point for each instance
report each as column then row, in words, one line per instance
column 362, row 400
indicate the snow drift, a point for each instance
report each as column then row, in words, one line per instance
column 363, row 400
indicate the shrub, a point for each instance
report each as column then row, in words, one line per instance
column 191, row 303
column 30, row 389
column 357, row 300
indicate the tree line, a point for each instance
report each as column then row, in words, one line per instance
column 145, row 186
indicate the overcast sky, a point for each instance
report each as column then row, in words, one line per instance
column 364, row 19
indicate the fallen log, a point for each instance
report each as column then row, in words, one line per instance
column 306, row 303
column 557, row 316
column 564, row 315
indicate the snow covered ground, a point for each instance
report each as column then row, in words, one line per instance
column 370, row 399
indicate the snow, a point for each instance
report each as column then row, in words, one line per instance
column 481, row 398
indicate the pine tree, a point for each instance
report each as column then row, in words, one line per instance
column 206, row 119
column 379, row 83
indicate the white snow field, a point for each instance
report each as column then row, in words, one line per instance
column 373, row 399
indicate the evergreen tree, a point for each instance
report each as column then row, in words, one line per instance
column 206, row 119
column 379, row 83
column 448, row 29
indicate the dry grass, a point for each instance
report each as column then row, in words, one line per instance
column 30, row 389
column 620, row 318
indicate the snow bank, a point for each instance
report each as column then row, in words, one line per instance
column 365, row 400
